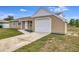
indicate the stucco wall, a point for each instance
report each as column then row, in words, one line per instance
column 13, row 25
column 58, row 25
column 33, row 24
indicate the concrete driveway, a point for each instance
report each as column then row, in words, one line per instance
column 13, row 43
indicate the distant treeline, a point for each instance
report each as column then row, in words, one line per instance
column 74, row 22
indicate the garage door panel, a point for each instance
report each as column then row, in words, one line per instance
column 43, row 25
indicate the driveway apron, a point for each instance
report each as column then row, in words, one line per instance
column 13, row 43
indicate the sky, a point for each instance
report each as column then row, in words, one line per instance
column 25, row 11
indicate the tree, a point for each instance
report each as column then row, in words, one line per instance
column 72, row 22
column 9, row 18
column 77, row 22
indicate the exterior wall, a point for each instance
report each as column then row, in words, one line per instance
column 13, row 25
column 26, row 20
column 65, row 27
column 30, row 26
column 42, row 12
column 23, row 25
column 58, row 25
column 33, row 24
column 26, row 25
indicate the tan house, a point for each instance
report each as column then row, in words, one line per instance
column 42, row 21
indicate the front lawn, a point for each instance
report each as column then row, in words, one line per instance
column 6, row 33
column 54, row 42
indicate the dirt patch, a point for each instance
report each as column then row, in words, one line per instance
column 72, row 34
column 66, row 43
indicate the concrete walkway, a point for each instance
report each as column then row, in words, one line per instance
column 13, row 43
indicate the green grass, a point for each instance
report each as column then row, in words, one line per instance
column 6, row 33
column 54, row 43
column 35, row 45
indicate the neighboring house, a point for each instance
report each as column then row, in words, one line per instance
column 4, row 24
column 42, row 21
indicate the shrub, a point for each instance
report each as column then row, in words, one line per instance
column 72, row 22
column 77, row 22
column 0, row 26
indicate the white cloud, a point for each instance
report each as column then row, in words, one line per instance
column 58, row 9
column 51, row 8
column 23, row 10
column 61, row 8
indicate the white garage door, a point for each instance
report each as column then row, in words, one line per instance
column 43, row 25
column 5, row 25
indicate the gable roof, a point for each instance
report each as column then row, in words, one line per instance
column 41, row 11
